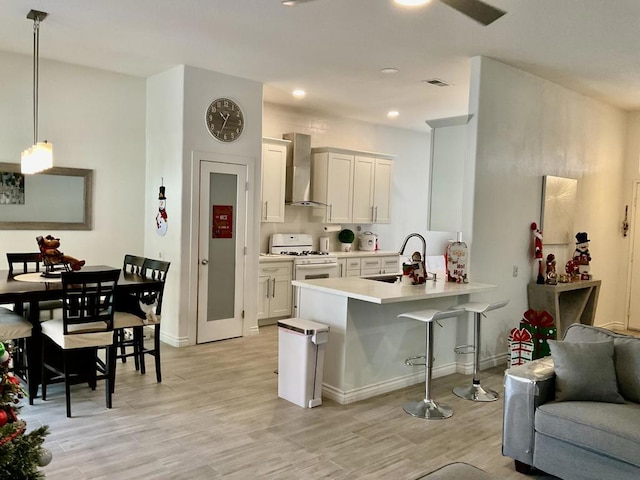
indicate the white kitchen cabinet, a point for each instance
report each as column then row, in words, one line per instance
column 355, row 186
column 274, row 167
column 370, row 266
column 353, row 267
column 372, row 184
column 382, row 190
column 390, row 264
column 275, row 293
column 332, row 185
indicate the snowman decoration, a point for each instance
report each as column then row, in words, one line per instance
column 161, row 217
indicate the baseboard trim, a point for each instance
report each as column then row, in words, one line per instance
column 174, row 341
column 362, row 393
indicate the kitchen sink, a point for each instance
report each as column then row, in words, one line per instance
column 384, row 278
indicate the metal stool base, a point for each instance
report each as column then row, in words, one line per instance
column 476, row 393
column 428, row 409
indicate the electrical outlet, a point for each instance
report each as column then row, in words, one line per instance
column 515, row 270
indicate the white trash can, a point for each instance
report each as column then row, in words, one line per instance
column 300, row 361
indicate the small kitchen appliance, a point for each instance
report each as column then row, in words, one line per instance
column 324, row 245
column 368, row 241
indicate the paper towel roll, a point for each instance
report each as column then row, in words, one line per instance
column 332, row 228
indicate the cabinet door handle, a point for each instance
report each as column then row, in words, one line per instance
column 273, row 294
column 330, row 212
column 375, row 217
column 266, row 209
column 372, row 214
column 268, row 287
column 340, row 265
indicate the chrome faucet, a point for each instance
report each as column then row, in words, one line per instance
column 424, row 245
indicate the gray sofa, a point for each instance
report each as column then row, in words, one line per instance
column 576, row 413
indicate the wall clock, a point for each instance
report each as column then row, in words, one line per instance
column 224, row 120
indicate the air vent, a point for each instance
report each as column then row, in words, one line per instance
column 437, row 82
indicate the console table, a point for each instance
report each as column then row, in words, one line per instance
column 568, row 303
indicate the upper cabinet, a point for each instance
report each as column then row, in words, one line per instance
column 355, row 186
column 274, row 165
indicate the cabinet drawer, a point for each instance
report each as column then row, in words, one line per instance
column 275, row 269
column 353, row 273
column 366, row 272
column 353, row 264
column 390, row 264
column 370, row 263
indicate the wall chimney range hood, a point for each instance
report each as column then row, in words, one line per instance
column 298, row 177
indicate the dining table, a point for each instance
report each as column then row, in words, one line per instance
column 33, row 288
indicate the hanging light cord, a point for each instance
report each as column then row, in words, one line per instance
column 36, row 75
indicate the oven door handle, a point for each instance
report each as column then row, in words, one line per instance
column 316, row 266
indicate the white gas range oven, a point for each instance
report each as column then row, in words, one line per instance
column 308, row 263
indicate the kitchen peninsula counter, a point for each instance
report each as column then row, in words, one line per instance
column 368, row 343
column 381, row 292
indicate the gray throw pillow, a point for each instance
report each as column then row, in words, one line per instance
column 585, row 371
column 627, row 360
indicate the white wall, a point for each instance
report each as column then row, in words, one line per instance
column 177, row 140
column 94, row 119
column 410, row 175
column 527, row 127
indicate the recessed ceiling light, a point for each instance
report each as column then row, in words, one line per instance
column 389, row 70
column 411, row 3
column 393, row 114
column 299, row 93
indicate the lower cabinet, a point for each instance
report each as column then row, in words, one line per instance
column 275, row 293
column 368, row 265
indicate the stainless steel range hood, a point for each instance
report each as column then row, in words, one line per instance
column 298, row 178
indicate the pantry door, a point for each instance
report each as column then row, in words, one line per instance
column 221, row 257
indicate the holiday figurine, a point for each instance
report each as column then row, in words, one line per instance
column 582, row 256
column 537, row 241
column 552, row 276
column 161, row 217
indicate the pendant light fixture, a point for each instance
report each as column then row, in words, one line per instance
column 39, row 156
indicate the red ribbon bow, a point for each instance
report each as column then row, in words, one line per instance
column 520, row 335
column 538, row 319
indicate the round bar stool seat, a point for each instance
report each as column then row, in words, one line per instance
column 427, row 407
column 475, row 391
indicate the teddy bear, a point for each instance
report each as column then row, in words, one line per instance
column 52, row 256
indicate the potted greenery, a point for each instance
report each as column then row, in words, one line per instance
column 346, row 238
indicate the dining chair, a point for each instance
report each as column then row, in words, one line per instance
column 128, row 303
column 30, row 263
column 146, row 313
column 86, row 326
column 133, row 264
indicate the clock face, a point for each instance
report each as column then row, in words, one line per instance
column 224, row 120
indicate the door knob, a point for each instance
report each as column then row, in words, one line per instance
column 204, row 262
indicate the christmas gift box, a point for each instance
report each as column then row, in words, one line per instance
column 542, row 328
column 520, row 347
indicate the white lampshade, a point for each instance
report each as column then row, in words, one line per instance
column 37, row 158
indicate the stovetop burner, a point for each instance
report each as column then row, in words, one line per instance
column 305, row 253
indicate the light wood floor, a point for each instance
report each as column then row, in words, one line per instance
column 216, row 415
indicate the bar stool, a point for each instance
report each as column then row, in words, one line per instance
column 475, row 392
column 427, row 407
column 15, row 328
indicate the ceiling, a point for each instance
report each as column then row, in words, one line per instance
column 334, row 49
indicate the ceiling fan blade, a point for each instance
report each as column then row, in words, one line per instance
column 293, row 3
column 479, row 11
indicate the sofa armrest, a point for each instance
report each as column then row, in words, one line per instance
column 525, row 387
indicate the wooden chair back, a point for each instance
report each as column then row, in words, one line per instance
column 156, row 270
column 87, row 299
column 133, row 264
column 23, row 262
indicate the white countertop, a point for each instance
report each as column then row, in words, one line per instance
column 268, row 257
column 362, row 253
column 381, row 292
